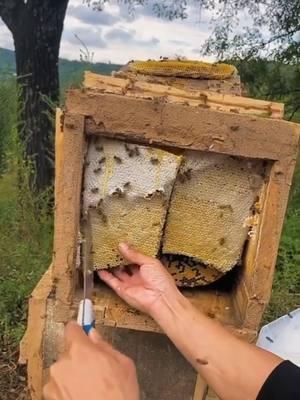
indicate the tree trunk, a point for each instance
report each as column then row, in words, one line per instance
column 37, row 27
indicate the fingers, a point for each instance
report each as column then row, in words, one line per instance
column 97, row 339
column 105, row 347
column 121, row 274
column 95, row 336
column 110, row 280
column 51, row 391
column 133, row 269
column 74, row 333
column 133, row 255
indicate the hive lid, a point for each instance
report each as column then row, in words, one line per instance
column 282, row 337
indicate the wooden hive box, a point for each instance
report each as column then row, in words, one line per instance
column 211, row 126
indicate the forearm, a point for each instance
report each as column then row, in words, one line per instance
column 234, row 369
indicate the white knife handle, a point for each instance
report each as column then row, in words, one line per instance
column 86, row 315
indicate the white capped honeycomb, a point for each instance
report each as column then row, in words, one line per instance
column 126, row 192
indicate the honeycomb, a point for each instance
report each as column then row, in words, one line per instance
column 210, row 207
column 126, row 194
column 183, row 68
column 192, row 210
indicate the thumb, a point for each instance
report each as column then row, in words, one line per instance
column 95, row 336
column 74, row 333
column 133, row 255
column 97, row 339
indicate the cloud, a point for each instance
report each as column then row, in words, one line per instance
column 121, row 35
column 6, row 37
column 90, row 37
column 91, row 17
column 129, row 37
column 179, row 42
column 118, row 36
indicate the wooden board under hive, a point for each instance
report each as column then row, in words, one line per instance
column 193, row 210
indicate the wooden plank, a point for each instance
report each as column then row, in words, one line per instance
column 211, row 395
column 231, row 85
column 255, row 284
column 67, row 210
column 207, row 99
column 159, row 123
column 31, row 347
column 259, row 280
column 200, row 389
column 162, row 371
column 113, row 312
column 241, row 296
column 59, row 137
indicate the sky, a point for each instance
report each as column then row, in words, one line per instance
column 113, row 35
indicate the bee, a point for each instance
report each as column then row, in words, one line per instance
column 118, row 160
column 154, row 160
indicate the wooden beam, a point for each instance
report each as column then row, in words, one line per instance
column 113, row 312
column 59, row 137
column 159, row 123
column 257, row 278
column 200, row 389
column 31, row 346
column 199, row 98
column 67, row 210
column 231, row 85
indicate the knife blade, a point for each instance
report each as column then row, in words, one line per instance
column 86, row 315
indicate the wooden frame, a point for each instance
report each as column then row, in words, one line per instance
column 154, row 122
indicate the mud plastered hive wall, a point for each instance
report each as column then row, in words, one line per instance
column 193, row 210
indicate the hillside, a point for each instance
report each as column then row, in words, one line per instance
column 70, row 71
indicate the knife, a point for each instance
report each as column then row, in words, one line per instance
column 86, row 314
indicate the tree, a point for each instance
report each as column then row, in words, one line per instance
column 37, row 26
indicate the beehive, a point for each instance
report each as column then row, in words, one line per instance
column 229, row 164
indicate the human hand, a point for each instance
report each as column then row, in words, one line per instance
column 142, row 285
column 91, row 369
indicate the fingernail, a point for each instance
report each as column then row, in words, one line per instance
column 94, row 334
column 124, row 246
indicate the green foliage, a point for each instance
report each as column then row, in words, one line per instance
column 272, row 80
column 25, row 241
column 71, row 72
column 7, row 62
